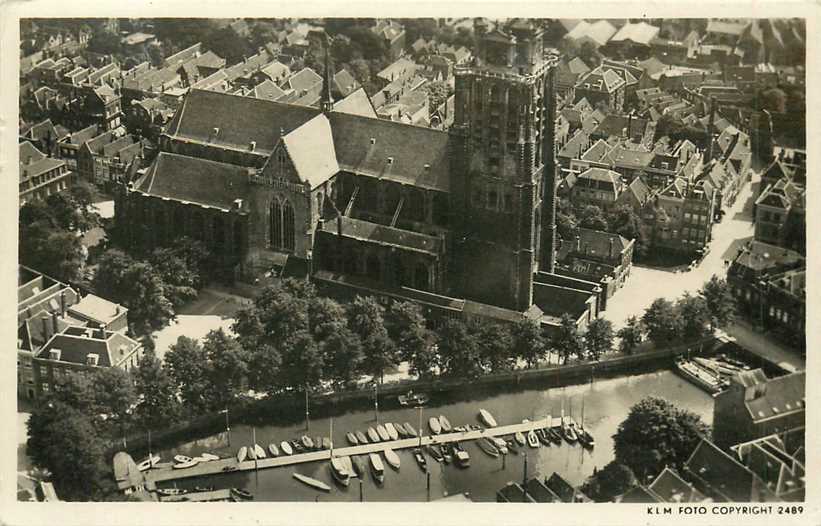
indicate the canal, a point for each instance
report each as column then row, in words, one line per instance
column 606, row 404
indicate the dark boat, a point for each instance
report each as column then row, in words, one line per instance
column 361, row 437
column 413, row 399
column 462, row 458
column 297, row 446
column 512, row 446
column 169, row 492
column 544, row 438
column 586, row 438
column 203, row 489
column 447, row 453
column 410, row 430
column 568, row 433
column 241, row 493
column 358, row 466
column 554, row 435
column 487, row 446
column 352, row 440
column 435, row 453
column 377, row 468
column 420, row 459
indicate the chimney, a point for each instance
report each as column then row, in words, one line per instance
column 578, row 243
column 63, row 303
column 612, row 245
column 54, row 325
column 46, row 334
column 237, row 204
column 252, row 146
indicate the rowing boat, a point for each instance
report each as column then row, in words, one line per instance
column 286, row 448
column 242, row 454
column 445, row 423
column 352, row 440
column 391, row 458
column 182, row 465
column 520, row 438
column 487, row 446
column 401, row 430
column 326, row 443
column 364, row 439
column 372, row 435
column 435, row 426
column 393, row 433
column 307, row 442
column 420, row 459
column 259, row 452
column 312, row 482
column 486, row 418
column 208, row 457
column 181, row 458
column 383, row 433
column 532, row 439
column 377, row 468
column 339, row 471
column 272, row 448
column 410, row 430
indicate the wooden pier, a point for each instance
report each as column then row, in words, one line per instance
column 216, row 467
column 200, row 496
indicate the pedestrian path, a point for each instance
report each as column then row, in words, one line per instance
column 231, row 465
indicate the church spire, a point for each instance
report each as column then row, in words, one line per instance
column 327, row 98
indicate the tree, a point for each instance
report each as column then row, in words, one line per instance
column 625, row 222
column 178, row 278
column 114, row 394
column 496, row 347
column 721, row 304
column 599, row 337
column 77, row 460
column 343, row 357
column 656, row 434
column 774, row 100
column 459, row 349
column 367, row 320
column 694, row 315
column 662, row 321
column 613, row 480
column 437, row 93
column 227, row 368
column 105, row 44
column 567, row 340
column 528, row 343
column 53, row 251
column 592, row 217
column 229, row 45
column 187, row 364
column 408, row 330
column 631, row 335
column 158, row 405
column 302, row 364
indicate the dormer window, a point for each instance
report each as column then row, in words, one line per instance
column 55, row 354
column 93, row 359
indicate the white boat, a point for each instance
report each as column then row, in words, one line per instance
column 251, row 453
column 181, row 458
column 242, row 454
column 435, row 425
column 340, row 472
column 148, row 463
column 372, row 434
column 383, row 433
column 209, row 457
column 445, row 424
column 486, row 418
column 462, row 458
column 391, row 458
column 520, row 438
column 286, row 448
column 273, row 450
column 377, row 468
column 393, row 433
column 183, row 465
column 532, row 439
column 314, row 483
column 259, row 452
column 500, row 444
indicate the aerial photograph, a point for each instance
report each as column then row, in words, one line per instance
column 520, row 260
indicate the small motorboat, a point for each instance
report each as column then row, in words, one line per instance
column 208, row 457
column 242, row 454
column 241, row 493
column 420, row 459
column 349, row 466
column 357, row 465
column 486, row 418
column 181, row 458
column 532, row 439
column 586, row 438
column 273, row 450
column 543, row 437
column 307, row 442
column 410, row 430
column 190, row 464
column 297, row 446
column 377, row 468
column 148, row 463
column 326, row 443
column 487, row 446
column 445, row 424
column 520, row 438
column 447, row 453
column 403, row 433
column 340, row 472
column 372, row 435
column 391, row 458
column 434, row 425
column 413, row 399
column 170, row 492
column 512, row 446
column 500, row 444
column 568, row 432
column 352, row 440
column 393, row 433
column 286, row 448
column 383, row 433
column 312, row 482
column 259, row 452
column 252, row 455
column 317, row 442
column 462, row 458
column 554, row 435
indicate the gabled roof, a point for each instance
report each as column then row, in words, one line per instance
column 720, row 473
column 578, row 66
column 268, row 90
column 596, row 152
column 305, row 79
column 248, row 66
column 639, row 189
column 727, row 28
column 86, row 134
column 670, row 487
column 640, row 33
column 76, row 343
column 42, row 130
column 195, row 180
column 599, row 32
column 276, row 70
column 574, row 147
column 183, row 56
column 632, row 157
column 602, row 175
column 357, row 103
column 400, row 68
column 37, row 163
column 783, row 394
column 344, row 83
column 311, row 150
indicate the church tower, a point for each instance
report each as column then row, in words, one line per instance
column 503, row 167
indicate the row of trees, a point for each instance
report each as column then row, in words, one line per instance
column 622, row 220
column 152, row 286
column 656, row 434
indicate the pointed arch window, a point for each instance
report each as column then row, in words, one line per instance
column 288, row 225
column 275, row 234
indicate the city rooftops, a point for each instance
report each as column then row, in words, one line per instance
column 96, row 309
column 88, row 346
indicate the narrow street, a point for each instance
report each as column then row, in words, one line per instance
column 646, row 284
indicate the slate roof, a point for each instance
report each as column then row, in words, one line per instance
column 33, row 162
column 783, row 394
column 305, row 79
column 720, row 473
column 195, row 180
column 616, row 124
column 599, row 79
column 268, row 90
column 344, row 83
column 600, row 174
column 578, row 66
column 183, row 56
column 357, row 103
column 600, row 32
column 76, row 343
column 401, row 68
column 598, row 242
column 86, row 134
column 639, row 189
column 42, row 130
column 97, row 309
column 385, row 235
column 670, row 487
column 624, row 156
column 248, row 66
column 596, row 152
column 311, row 150
column 574, row 147
column 640, row 33
column 276, row 70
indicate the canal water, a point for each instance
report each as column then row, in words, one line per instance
column 606, row 404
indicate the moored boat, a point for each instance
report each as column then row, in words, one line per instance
column 312, row 482
column 297, row 446
column 462, row 458
column 373, row 435
column 500, row 444
column 377, row 468
column 241, row 493
column 383, row 433
column 532, row 439
column 326, row 443
column 259, row 452
column 181, row 458
column 568, row 433
column 169, row 492
column 349, row 465
column 520, row 438
column 403, row 433
column 512, row 446
column 700, row 376
column 410, row 430
column 286, row 448
column 554, row 435
column 393, row 433
column 307, row 442
column 148, row 463
column 339, row 471
column 357, row 464
column 543, row 436
column 445, row 424
column 207, row 456
column 317, row 442
column 413, row 399
column 447, row 453
column 435, row 453
column 242, row 454
column 486, row 418
column 391, row 458
column 252, row 455
column 420, row 459
column 352, row 440
column 364, row 439
column 487, row 446
column 434, row 425
column 190, row 464
column 273, row 450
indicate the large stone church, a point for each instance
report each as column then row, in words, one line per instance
column 461, row 220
